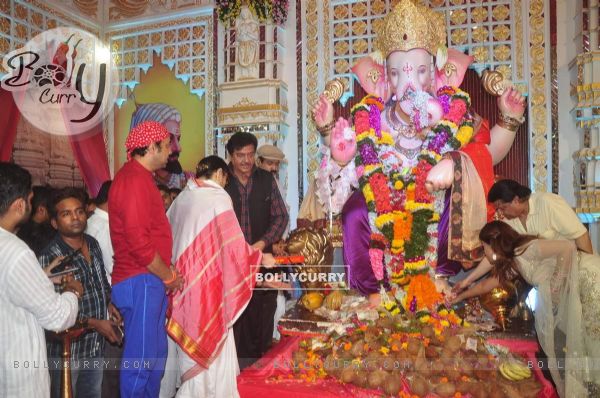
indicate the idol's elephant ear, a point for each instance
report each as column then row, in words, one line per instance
column 453, row 72
column 371, row 76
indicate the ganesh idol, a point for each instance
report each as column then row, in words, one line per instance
column 410, row 171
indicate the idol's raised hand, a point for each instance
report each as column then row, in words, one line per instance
column 323, row 112
column 511, row 103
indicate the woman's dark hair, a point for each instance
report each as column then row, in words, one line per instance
column 240, row 140
column 209, row 165
column 506, row 190
column 163, row 188
column 506, row 243
column 59, row 195
column 102, row 196
column 15, row 183
column 41, row 196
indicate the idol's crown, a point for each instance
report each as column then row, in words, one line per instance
column 409, row 26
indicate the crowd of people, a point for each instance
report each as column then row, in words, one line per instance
column 122, row 276
column 163, row 280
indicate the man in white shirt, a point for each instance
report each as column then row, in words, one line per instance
column 97, row 226
column 28, row 301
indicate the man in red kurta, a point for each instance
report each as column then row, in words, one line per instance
column 142, row 243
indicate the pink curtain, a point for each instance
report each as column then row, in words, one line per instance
column 9, row 119
column 89, row 152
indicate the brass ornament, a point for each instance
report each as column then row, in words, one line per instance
column 316, row 247
column 334, row 89
column 410, row 26
column 449, row 69
column 493, row 82
column 374, row 75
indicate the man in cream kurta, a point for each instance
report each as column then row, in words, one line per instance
column 549, row 217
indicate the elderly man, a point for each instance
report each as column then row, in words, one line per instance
column 142, row 242
column 269, row 158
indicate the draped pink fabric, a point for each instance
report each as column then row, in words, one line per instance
column 218, row 267
column 9, row 119
column 89, row 151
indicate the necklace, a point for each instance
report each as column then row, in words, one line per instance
column 407, row 131
column 409, row 153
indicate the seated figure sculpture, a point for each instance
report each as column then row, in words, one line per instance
column 420, row 158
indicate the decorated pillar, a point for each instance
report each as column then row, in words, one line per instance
column 253, row 95
column 585, row 72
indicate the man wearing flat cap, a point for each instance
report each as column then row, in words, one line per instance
column 142, row 243
column 269, row 158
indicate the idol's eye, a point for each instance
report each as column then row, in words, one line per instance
column 422, row 69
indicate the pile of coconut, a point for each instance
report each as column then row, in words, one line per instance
column 417, row 358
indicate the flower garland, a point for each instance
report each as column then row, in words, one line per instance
column 276, row 10
column 334, row 183
column 402, row 214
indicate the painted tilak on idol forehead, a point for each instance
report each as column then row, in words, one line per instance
column 431, row 72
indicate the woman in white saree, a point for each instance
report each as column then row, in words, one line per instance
column 567, row 313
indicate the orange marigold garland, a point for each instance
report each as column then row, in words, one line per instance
column 401, row 212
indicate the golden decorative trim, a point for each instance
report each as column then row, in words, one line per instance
column 334, row 89
column 143, row 29
column 538, row 100
column 244, row 102
column 312, row 77
column 277, row 116
column 237, row 108
column 253, row 83
column 519, row 38
column 210, row 97
column 65, row 18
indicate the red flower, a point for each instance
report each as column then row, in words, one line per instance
column 457, row 111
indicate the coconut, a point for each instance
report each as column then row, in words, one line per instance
column 437, row 366
column 448, row 357
column 453, row 374
column 464, row 387
column 427, row 331
column 385, row 323
column 419, row 386
column 357, row 348
column 465, row 366
column 348, row 375
column 479, row 390
column 377, row 378
column 452, row 344
column 332, row 366
column 392, row 385
column 361, row 378
column 445, row 390
column 431, row 352
column 414, row 345
column 496, row 391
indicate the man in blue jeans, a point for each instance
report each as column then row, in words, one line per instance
column 142, row 243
